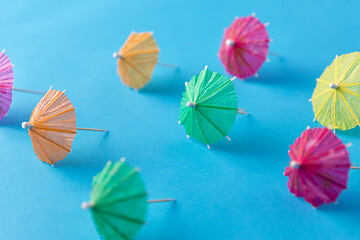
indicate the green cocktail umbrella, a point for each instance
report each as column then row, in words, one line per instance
column 336, row 98
column 209, row 106
column 118, row 201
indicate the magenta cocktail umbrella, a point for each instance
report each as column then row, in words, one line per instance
column 244, row 47
column 6, row 84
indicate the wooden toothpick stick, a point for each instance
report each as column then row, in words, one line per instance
column 161, row 200
column 28, row 91
column 92, row 129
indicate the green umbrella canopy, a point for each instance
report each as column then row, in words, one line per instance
column 209, row 106
column 336, row 98
column 118, row 201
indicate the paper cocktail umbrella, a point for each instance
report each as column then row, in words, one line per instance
column 244, row 47
column 336, row 98
column 52, row 127
column 319, row 166
column 209, row 107
column 118, row 201
column 6, row 84
column 137, row 59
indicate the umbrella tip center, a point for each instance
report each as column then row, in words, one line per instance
column 27, row 125
column 334, row 85
column 230, row 42
column 294, row 164
column 86, row 205
column 117, row 55
column 191, row 104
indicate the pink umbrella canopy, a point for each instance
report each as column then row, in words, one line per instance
column 6, row 84
column 244, row 47
column 319, row 166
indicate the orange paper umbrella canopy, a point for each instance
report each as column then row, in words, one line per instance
column 52, row 127
column 137, row 59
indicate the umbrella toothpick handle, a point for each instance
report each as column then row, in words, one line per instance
column 354, row 167
column 167, row 65
column 242, row 111
column 27, row 91
column 92, row 129
column 161, row 200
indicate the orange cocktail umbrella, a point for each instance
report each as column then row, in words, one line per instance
column 52, row 127
column 137, row 59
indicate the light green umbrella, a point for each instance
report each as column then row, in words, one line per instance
column 336, row 98
column 209, row 106
column 118, row 201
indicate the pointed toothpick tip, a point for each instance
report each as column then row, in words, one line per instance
column 256, row 75
column 266, row 24
column 208, row 146
column 314, row 119
column 178, row 122
column 13, row 65
column 267, row 60
column 308, row 127
column 228, row 138
column 121, row 159
column 253, row 14
column 233, row 78
column 310, row 100
column 3, row 51
column 188, row 137
column 336, row 56
column 349, row 144
column 186, row 83
column 272, row 40
column 206, row 67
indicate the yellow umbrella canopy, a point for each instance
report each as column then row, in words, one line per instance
column 336, row 98
column 137, row 59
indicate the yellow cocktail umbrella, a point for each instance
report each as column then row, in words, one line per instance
column 336, row 98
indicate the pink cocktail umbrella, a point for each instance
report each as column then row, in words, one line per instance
column 244, row 47
column 6, row 84
column 319, row 166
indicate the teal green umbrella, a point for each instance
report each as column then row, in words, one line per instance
column 209, row 107
column 118, row 201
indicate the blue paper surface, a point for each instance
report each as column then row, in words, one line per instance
column 237, row 190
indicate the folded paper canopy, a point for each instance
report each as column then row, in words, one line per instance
column 336, row 98
column 137, row 59
column 118, row 201
column 6, row 84
column 209, row 106
column 52, row 127
column 319, row 166
column 244, row 47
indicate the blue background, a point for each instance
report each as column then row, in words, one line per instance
column 237, row 190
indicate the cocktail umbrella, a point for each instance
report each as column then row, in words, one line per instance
column 336, row 98
column 118, row 201
column 137, row 59
column 52, row 127
column 244, row 47
column 319, row 166
column 209, row 107
column 6, row 84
